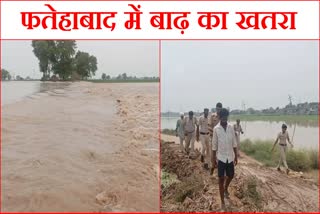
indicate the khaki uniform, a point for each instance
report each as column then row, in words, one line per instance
column 190, row 132
column 180, row 132
column 214, row 120
column 205, row 139
column 238, row 131
column 283, row 137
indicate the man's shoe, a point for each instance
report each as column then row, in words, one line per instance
column 202, row 159
column 279, row 169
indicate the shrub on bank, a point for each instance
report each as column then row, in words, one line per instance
column 298, row 160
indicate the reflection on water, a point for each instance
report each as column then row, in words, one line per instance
column 13, row 91
column 304, row 136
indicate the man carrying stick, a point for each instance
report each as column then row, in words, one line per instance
column 282, row 138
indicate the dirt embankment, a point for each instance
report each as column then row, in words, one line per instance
column 186, row 186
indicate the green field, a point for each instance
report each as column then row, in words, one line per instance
column 123, row 81
column 289, row 119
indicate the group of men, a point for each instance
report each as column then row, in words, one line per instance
column 220, row 143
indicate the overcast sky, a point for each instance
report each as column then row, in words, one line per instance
column 136, row 58
column 198, row 74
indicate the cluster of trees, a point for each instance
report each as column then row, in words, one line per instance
column 105, row 77
column 124, row 76
column 290, row 109
column 61, row 58
column 5, row 75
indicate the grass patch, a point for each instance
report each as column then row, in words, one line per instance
column 289, row 119
column 297, row 160
column 168, row 132
column 252, row 193
column 192, row 185
column 168, row 178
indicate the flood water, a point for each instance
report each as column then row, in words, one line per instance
column 13, row 91
column 304, row 137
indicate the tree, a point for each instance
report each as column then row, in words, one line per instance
column 64, row 58
column 85, row 64
column 104, row 76
column 108, row 77
column 75, row 76
column 124, row 76
column 44, row 50
column 5, row 75
column 19, row 78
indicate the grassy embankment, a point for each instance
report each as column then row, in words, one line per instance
column 123, row 81
column 297, row 159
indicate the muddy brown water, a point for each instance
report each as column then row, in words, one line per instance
column 13, row 91
column 84, row 148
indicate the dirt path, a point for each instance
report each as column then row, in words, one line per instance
column 254, row 188
column 88, row 147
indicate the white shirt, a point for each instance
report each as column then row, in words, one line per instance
column 180, row 128
column 223, row 141
column 203, row 124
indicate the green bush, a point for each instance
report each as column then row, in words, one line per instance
column 168, row 178
column 298, row 160
column 247, row 147
column 314, row 159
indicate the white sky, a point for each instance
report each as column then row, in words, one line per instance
column 136, row 58
column 198, row 74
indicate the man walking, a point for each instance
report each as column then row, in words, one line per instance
column 224, row 153
column 203, row 131
column 189, row 124
column 214, row 120
column 238, row 130
column 180, row 131
column 282, row 138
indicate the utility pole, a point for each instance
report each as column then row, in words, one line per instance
column 243, row 105
column 290, row 100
